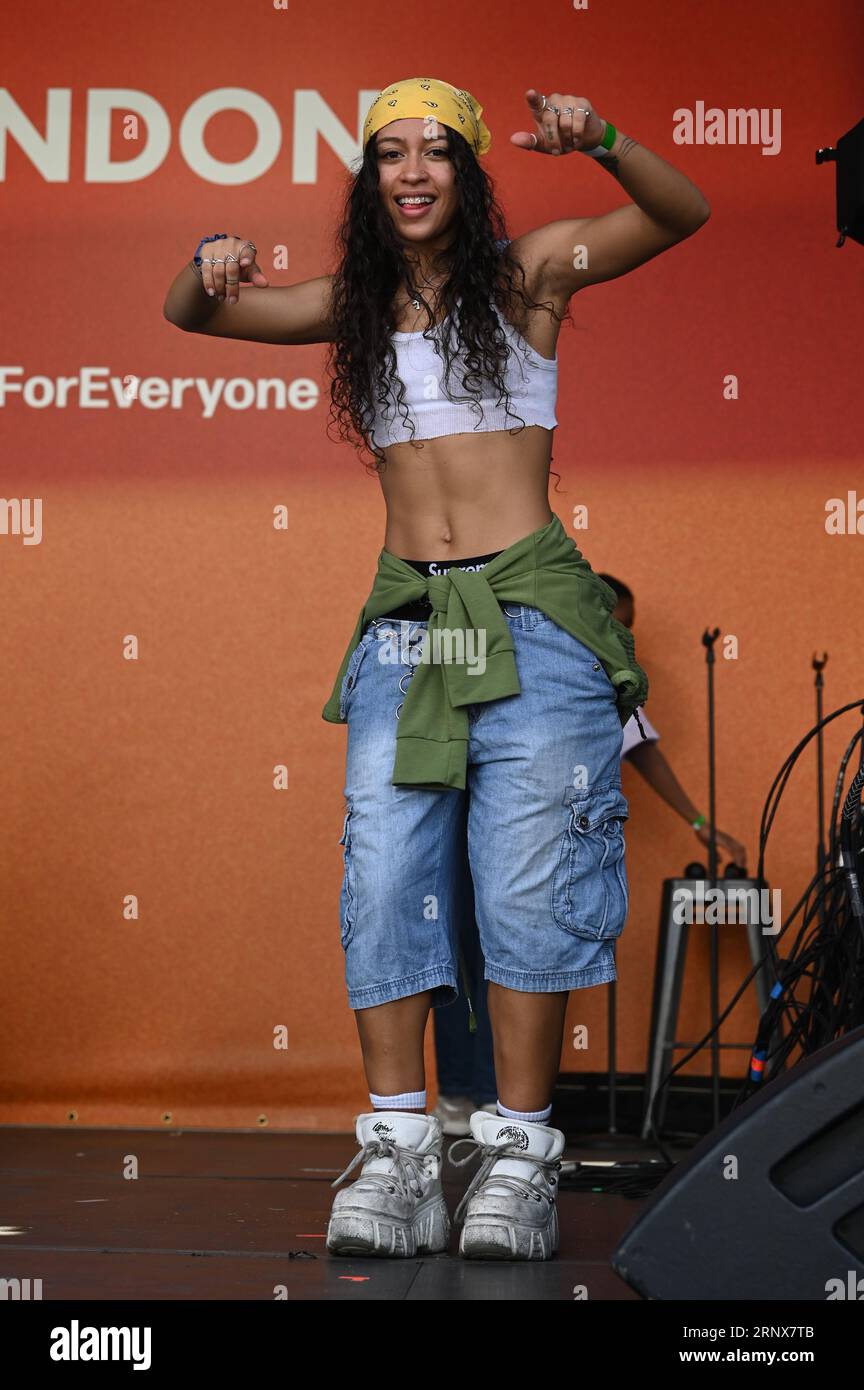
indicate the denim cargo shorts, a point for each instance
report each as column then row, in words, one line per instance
column 539, row 826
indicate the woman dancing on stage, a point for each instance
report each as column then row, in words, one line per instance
column 486, row 683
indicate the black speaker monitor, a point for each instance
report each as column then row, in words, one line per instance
column 770, row 1204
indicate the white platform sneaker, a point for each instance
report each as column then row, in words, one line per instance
column 510, row 1210
column 396, row 1206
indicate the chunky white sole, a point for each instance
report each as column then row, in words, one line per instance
column 358, row 1231
column 486, row 1237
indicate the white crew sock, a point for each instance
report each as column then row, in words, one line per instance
column 539, row 1117
column 413, row 1100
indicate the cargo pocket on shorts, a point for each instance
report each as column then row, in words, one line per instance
column 349, row 680
column 589, row 889
column 348, row 895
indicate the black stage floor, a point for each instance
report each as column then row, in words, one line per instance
column 237, row 1214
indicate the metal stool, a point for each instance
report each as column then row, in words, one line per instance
column 669, row 969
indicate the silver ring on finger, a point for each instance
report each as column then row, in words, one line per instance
column 229, row 257
column 555, row 109
column 543, row 99
column 568, row 110
column 217, row 260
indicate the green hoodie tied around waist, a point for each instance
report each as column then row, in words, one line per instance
column 468, row 651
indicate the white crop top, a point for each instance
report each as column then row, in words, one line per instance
column 531, row 379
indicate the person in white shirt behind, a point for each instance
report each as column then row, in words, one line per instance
column 650, row 762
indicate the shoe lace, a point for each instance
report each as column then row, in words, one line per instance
column 407, row 1163
column 491, row 1153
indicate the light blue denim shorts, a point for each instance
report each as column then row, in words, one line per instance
column 539, row 826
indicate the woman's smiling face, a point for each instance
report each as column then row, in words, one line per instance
column 415, row 164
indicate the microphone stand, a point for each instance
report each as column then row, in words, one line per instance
column 821, row 854
column 708, row 640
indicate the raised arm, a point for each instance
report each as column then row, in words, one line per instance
column 666, row 207
column 261, row 313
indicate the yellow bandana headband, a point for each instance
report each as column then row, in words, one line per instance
column 433, row 100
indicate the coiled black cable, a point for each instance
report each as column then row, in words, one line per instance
column 826, row 960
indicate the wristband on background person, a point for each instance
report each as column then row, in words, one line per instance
column 698, row 822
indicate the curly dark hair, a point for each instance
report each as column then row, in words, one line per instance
column 361, row 357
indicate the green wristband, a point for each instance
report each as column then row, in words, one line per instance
column 698, row 822
column 610, row 135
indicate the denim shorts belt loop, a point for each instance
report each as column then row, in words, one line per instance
column 533, row 848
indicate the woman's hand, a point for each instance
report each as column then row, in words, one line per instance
column 563, row 131
column 226, row 277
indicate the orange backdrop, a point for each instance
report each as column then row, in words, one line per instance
column 166, row 647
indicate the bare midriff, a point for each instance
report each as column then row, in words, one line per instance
column 469, row 494
column 466, row 494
